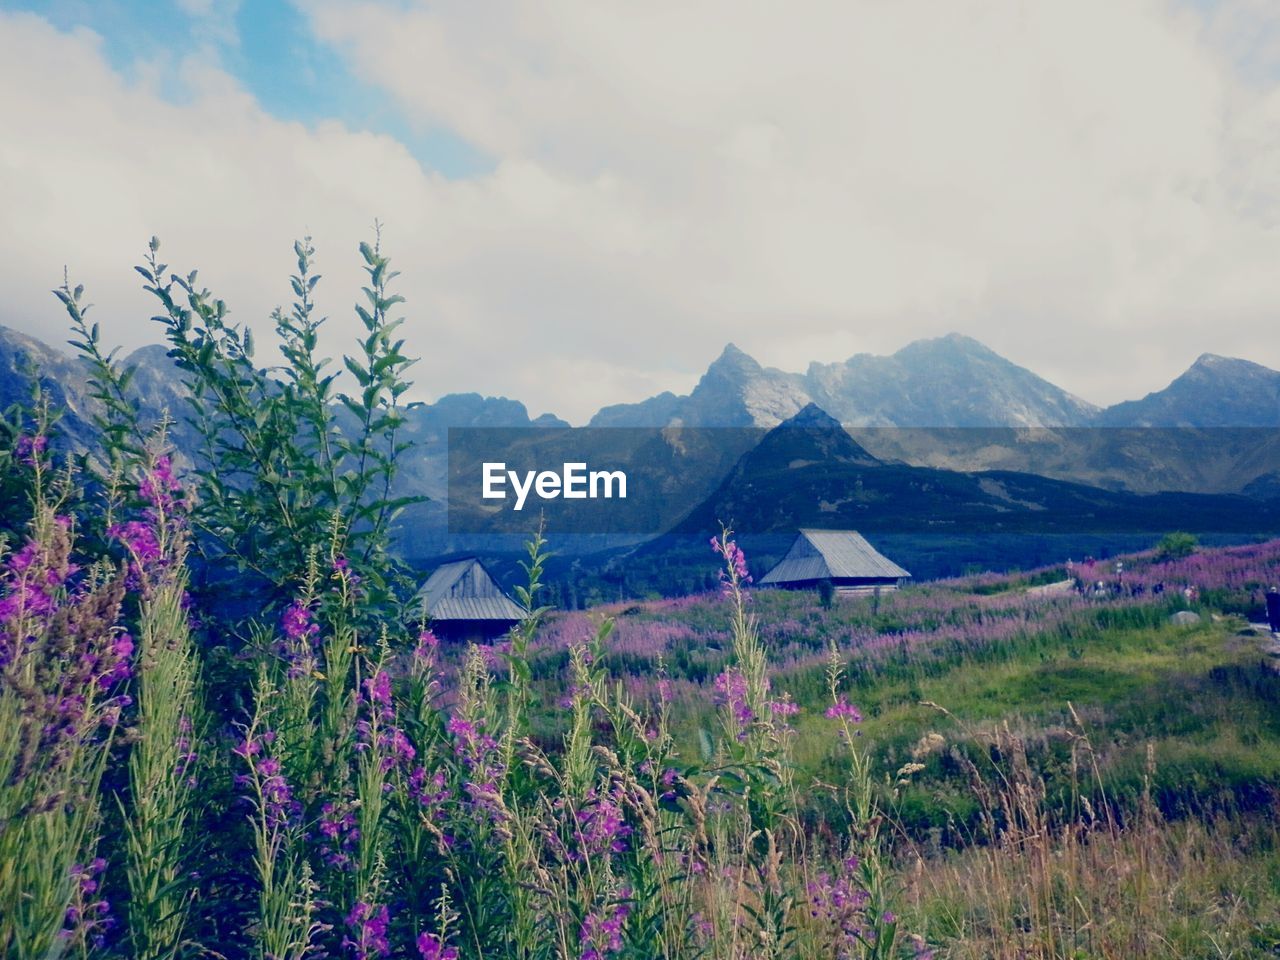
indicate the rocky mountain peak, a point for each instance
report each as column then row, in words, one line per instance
column 733, row 363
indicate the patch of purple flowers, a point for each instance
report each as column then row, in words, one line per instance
column 840, row 902
column 842, row 709
column 432, row 947
column 602, row 827
column 88, row 919
column 29, row 449
column 731, row 693
column 735, row 572
column 478, row 752
column 339, row 832
column 278, row 804
column 368, row 924
column 601, row 932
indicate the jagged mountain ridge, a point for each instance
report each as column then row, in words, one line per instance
column 1214, row 392
column 934, row 385
column 951, row 381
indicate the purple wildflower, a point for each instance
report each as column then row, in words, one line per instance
column 602, row 828
column 920, row 947
column 429, row 792
column 734, row 574
column 88, row 918
column 339, row 834
column 278, row 805
column 840, row 902
column 731, row 692
column 424, row 654
column 478, row 752
column 368, row 926
column 297, row 624
column 160, row 488
column 378, row 689
column 29, row 449
column 842, row 709
column 432, row 947
column 601, row 932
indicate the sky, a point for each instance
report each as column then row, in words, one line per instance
column 588, row 198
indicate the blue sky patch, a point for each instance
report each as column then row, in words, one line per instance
column 270, row 48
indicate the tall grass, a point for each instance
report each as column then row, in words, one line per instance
column 168, row 724
column 1036, row 885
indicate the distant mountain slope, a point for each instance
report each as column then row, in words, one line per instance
column 935, row 385
column 158, row 388
column 736, row 391
column 1214, row 392
column 809, row 472
column 61, row 379
column 952, row 381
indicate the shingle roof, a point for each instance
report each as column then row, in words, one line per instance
column 832, row 555
column 465, row 590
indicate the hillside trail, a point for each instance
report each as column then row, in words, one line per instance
column 1268, row 641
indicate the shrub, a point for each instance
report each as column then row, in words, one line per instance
column 1177, row 546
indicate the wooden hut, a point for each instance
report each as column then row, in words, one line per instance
column 841, row 557
column 463, row 602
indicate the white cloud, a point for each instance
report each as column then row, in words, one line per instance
column 1092, row 188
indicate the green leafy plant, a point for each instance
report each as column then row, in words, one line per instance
column 1177, row 545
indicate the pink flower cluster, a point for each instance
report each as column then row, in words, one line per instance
column 432, row 947
column 339, row 832
column 731, row 692
column 601, row 932
column 368, row 924
column 602, row 827
column 278, row 804
column 478, row 752
column 842, row 709
column 735, row 571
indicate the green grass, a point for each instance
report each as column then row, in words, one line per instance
column 1201, row 696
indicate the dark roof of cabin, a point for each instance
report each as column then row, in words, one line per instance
column 832, row 555
column 465, row 590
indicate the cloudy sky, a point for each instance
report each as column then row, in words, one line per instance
column 588, row 198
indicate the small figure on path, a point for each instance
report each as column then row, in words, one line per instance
column 1273, row 610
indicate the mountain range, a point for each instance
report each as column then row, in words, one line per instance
column 948, row 403
column 951, row 381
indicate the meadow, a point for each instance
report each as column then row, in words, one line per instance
column 229, row 733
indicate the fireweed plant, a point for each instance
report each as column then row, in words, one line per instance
column 64, row 663
column 287, row 466
column 372, row 801
column 403, row 813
